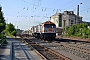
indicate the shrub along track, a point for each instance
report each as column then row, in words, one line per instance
column 46, row 52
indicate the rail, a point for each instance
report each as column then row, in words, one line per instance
column 47, row 53
column 74, row 39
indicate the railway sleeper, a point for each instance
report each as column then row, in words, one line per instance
column 50, row 55
column 80, row 47
column 61, row 56
column 75, row 53
column 78, row 50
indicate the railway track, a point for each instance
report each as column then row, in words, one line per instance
column 79, row 49
column 74, row 39
column 75, row 50
column 46, row 52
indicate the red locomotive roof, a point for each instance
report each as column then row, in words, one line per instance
column 48, row 22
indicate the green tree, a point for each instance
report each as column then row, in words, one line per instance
column 10, row 30
column 2, row 27
column 2, row 24
column 83, row 30
column 88, row 33
column 80, row 30
column 84, row 25
column 71, row 30
column 2, row 21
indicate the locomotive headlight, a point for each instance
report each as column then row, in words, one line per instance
column 45, row 31
column 54, row 31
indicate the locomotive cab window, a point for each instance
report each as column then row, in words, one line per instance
column 49, row 26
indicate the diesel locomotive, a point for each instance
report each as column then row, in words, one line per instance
column 46, row 31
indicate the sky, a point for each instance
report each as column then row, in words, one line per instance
column 24, row 14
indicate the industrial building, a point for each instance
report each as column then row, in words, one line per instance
column 67, row 18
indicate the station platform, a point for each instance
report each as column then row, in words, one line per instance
column 18, row 52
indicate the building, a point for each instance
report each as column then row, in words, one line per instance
column 57, row 19
column 67, row 18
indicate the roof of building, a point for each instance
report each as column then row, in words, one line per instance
column 65, row 12
column 56, row 14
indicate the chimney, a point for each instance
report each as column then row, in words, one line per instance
column 78, row 10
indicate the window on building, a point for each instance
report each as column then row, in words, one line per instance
column 60, row 21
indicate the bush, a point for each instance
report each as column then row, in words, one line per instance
column 78, row 31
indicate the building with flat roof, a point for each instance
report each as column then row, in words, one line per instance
column 69, row 18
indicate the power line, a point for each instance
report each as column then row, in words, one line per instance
column 45, row 8
column 67, row 3
column 85, row 9
column 37, row 5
